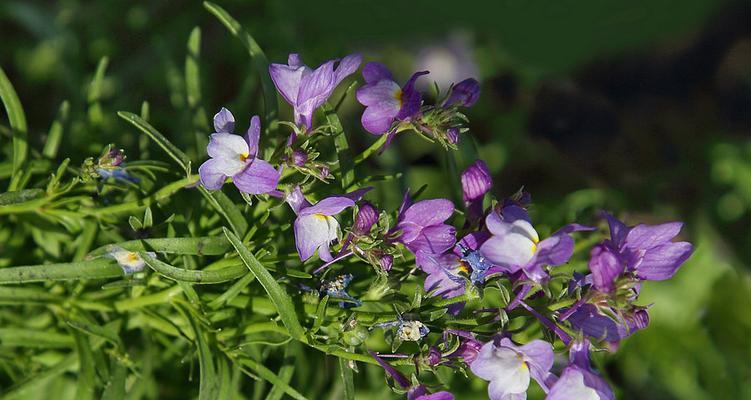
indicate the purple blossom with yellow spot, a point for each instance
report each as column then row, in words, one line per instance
column 235, row 156
column 384, row 100
column 515, row 246
column 578, row 380
column 508, row 367
column 306, row 89
column 315, row 227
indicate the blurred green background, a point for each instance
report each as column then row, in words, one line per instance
column 638, row 106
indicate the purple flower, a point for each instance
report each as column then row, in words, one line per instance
column 384, row 100
column 606, row 323
column 235, row 156
column 605, row 266
column 306, row 89
column 315, row 227
column 648, row 250
column 476, row 181
column 508, row 367
column 422, row 225
column 578, row 381
column 463, row 94
column 515, row 245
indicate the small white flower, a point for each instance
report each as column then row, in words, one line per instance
column 130, row 261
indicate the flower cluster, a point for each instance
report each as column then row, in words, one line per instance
column 494, row 242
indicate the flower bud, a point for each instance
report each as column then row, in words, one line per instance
column 367, row 216
column 386, row 262
column 605, row 267
column 452, row 135
column 299, row 158
column 476, row 181
column 464, row 93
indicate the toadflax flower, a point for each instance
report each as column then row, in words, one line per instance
column 508, row 367
column 315, row 227
column 235, row 156
column 606, row 323
column 130, row 261
column 463, row 94
column 515, row 245
column 384, row 100
column 578, row 381
column 648, row 250
column 422, row 225
column 306, row 89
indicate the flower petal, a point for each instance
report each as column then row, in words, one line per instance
column 660, row 263
column 476, row 181
column 374, row 71
column 434, row 239
column 647, row 236
column 378, row 119
column 258, row 178
column 605, row 267
column 312, row 232
column 211, row 174
column 253, row 136
column 328, row 206
column 509, row 250
column 227, row 146
column 429, row 212
column 571, row 386
column 411, row 98
column 464, row 93
column 287, row 79
column 224, row 121
column 347, row 66
column 385, row 94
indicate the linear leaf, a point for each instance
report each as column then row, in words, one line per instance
column 94, row 269
column 192, row 276
column 271, row 377
column 17, row 120
column 258, row 57
column 195, row 246
column 347, row 378
column 228, row 209
column 209, row 381
column 86, row 377
column 278, row 296
column 55, row 134
column 346, row 163
column 169, row 148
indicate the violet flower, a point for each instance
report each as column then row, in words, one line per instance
column 315, row 227
column 578, row 381
column 306, row 89
column 509, row 367
column 422, row 225
column 476, row 182
column 385, row 101
column 516, row 246
column 235, row 156
column 606, row 323
column 648, row 250
column 367, row 216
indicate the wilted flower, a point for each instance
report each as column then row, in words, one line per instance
column 606, row 323
column 315, row 227
column 422, row 225
column 508, row 367
column 515, row 245
column 235, row 156
column 578, row 381
column 385, row 100
column 306, row 89
column 337, row 288
column 130, row 261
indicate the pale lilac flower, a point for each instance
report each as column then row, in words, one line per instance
column 578, row 381
column 306, row 89
column 509, row 367
column 315, row 227
column 422, row 225
column 516, row 246
column 648, row 250
column 130, row 261
column 235, row 156
column 385, row 101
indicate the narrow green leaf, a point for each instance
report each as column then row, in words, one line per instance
column 278, row 296
column 346, row 163
column 286, row 371
column 169, row 148
column 320, row 314
column 191, row 276
column 86, row 377
column 94, row 269
column 193, row 89
column 209, row 382
column 17, row 121
column 271, row 377
column 96, row 116
column 232, row 292
column 96, row 330
column 115, row 387
column 196, row 246
column 347, row 378
column 55, row 135
column 19, row 337
column 258, row 57
column 228, row 209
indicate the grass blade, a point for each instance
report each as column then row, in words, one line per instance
column 169, row 148
column 17, row 120
column 276, row 293
column 258, row 57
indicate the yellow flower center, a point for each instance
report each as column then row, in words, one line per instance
column 398, row 94
column 132, row 257
column 244, row 156
column 321, row 217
